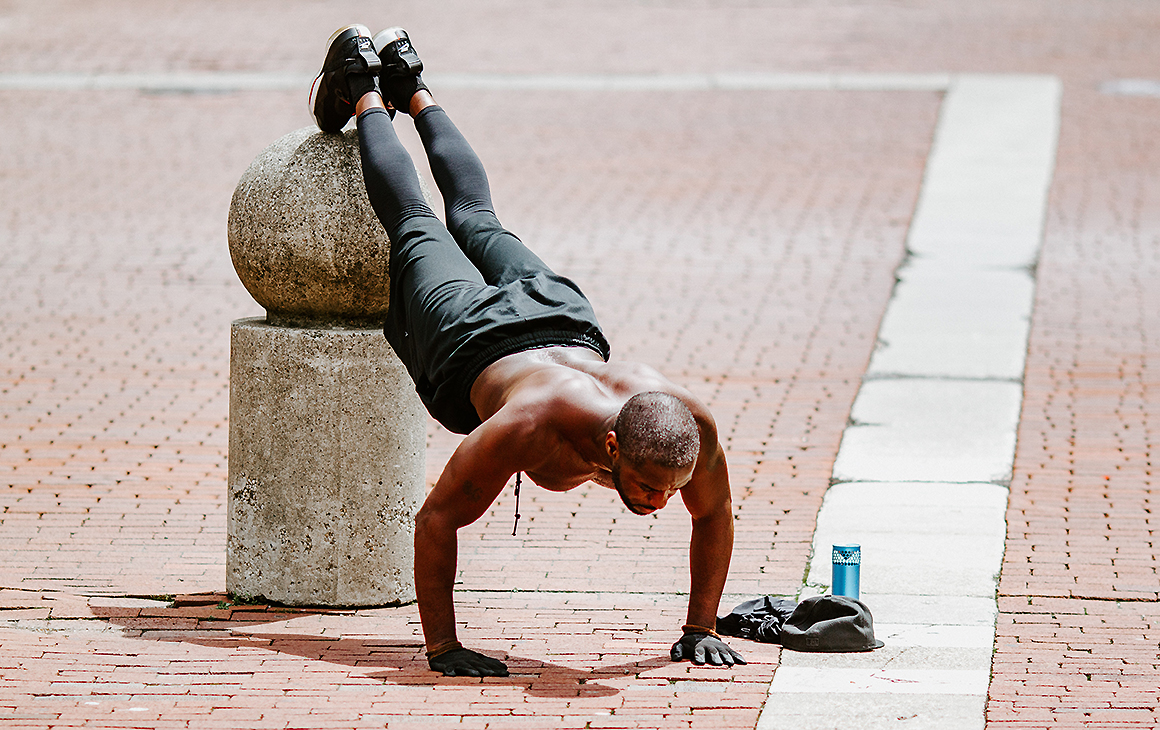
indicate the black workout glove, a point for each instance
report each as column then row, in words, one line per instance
column 702, row 646
column 455, row 661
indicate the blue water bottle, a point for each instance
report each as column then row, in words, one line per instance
column 847, row 564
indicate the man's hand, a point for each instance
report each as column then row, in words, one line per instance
column 467, row 663
column 700, row 648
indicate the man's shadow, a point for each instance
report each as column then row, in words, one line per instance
column 402, row 659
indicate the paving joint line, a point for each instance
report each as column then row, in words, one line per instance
column 939, row 378
column 1005, row 483
column 1109, row 599
column 236, row 81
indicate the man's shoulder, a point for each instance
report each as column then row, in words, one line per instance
column 561, row 391
column 571, row 391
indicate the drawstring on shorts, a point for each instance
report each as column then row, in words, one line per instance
column 517, row 522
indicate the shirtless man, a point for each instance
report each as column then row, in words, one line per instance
column 504, row 350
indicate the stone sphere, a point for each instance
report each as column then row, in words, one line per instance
column 303, row 237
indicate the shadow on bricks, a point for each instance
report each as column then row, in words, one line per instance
column 407, row 659
column 227, row 629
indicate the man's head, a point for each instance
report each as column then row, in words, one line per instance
column 653, row 446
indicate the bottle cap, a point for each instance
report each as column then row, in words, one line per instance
column 847, row 555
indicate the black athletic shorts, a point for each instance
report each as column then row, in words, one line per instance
column 458, row 307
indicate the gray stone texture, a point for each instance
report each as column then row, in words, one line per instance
column 803, row 711
column 326, row 467
column 946, row 322
column 917, row 538
column 303, row 237
column 893, row 609
column 931, row 431
column 988, row 174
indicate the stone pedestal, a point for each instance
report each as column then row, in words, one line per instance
column 326, row 467
column 327, row 435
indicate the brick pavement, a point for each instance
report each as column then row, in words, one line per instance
column 114, row 460
column 111, row 478
column 1077, row 642
column 603, row 666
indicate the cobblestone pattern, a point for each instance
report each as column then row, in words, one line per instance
column 1078, row 644
column 752, row 267
column 117, row 200
column 595, row 36
column 1075, row 663
column 114, row 347
column 587, row 661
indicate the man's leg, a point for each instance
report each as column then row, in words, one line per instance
column 459, row 173
column 432, row 281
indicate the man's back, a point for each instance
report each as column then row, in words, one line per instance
column 568, row 397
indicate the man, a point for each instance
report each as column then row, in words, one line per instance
column 506, row 351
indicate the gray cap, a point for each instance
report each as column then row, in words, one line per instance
column 830, row 623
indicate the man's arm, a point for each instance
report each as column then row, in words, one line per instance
column 710, row 505
column 708, row 500
column 472, row 479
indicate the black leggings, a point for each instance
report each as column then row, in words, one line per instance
column 464, row 295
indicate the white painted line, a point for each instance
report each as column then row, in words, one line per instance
column 1132, row 87
column 224, row 81
column 935, row 425
column 944, row 322
column 871, row 712
column 935, row 636
column 890, row 681
column 984, row 193
column 916, row 538
column 930, row 431
column 755, row 81
column 910, row 608
column 208, row 82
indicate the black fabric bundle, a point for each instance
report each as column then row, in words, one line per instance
column 760, row 619
column 819, row 623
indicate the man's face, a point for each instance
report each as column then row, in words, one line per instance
column 645, row 488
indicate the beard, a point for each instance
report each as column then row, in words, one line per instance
column 636, row 509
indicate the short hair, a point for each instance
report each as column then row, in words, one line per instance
column 658, row 428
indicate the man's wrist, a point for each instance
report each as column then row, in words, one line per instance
column 443, row 648
column 695, row 629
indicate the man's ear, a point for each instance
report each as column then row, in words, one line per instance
column 611, row 446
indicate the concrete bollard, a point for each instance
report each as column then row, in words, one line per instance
column 327, row 434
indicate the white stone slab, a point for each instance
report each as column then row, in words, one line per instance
column 894, row 681
column 920, row 539
column 895, row 608
column 938, row 636
column 864, row 711
column 947, row 321
column 931, row 430
column 985, row 190
column 894, row 657
column 907, row 504
column 920, row 494
column 926, row 565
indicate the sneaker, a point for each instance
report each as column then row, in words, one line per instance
column 350, row 70
column 401, row 67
